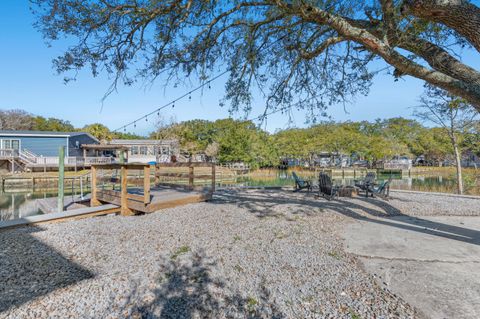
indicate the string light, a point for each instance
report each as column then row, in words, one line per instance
column 134, row 124
column 146, row 119
column 189, row 94
column 172, row 103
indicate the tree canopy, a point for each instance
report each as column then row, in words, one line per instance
column 312, row 53
column 17, row 119
column 236, row 140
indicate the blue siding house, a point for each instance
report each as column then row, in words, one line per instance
column 45, row 144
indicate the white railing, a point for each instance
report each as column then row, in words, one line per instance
column 29, row 154
column 71, row 161
column 8, row 153
column 99, row 160
column 31, row 159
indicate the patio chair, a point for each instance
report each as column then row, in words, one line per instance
column 366, row 182
column 300, row 183
column 326, row 187
column 382, row 191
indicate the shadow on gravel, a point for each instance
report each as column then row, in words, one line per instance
column 186, row 289
column 30, row 269
column 264, row 204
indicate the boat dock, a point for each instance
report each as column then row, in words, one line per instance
column 145, row 199
column 126, row 189
column 73, row 214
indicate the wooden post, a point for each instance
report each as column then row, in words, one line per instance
column 213, row 178
column 122, row 156
column 44, row 165
column 146, row 184
column 61, row 176
column 157, row 172
column 94, row 201
column 190, row 177
column 124, row 210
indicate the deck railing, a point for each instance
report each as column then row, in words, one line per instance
column 8, row 153
column 101, row 193
column 31, row 159
column 173, row 174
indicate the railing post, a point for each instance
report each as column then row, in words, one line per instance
column 146, row 184
column 94, row 201
column 81, row 187
column 213, row 178
column 157, row 172
column 190, row 176
column 61, row 176
column 124, row 210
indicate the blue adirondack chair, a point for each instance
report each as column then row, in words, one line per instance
column 300, row 183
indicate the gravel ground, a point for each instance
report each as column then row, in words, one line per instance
column 247, row 254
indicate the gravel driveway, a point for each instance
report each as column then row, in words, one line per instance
column 254, row 254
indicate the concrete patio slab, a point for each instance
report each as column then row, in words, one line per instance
column 431, row 262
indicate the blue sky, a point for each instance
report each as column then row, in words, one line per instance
column 28, row 81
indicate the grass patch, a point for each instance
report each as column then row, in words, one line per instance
column 251, row 304
column 238, row 268
column 180, row 251
column 354, row 314
column 236, row 238
column 334, row 254
column 280, row 235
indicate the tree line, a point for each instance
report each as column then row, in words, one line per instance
column 230, row 140
column 17, row 119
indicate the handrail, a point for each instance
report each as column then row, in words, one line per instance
column 9, row 152
column 190, row 175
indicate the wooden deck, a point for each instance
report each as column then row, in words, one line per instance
column 49, row 205
column 62, row 216
column 160, row 197
column 148, row 199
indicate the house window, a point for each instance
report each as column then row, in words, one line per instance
column 10, row 144
column 134, row 150
column 143, row 150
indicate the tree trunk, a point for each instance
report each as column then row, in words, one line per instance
column 470, row 90
column 458, row 163
column 460, row 15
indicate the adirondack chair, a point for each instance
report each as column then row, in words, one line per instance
column 300, row 183
column 326, row 187
column 367, row 181
column 383, row 190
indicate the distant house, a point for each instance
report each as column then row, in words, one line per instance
column 145, row 151
column 45, row 143
column 396, row 163
column 21, row 150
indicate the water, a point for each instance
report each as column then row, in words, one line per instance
column 20, row 204
column 444, row 184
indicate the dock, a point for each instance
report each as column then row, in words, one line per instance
column 49, row 205
column 160, row 198
column 146, row 199
column 130, row 192
column 73, row 214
